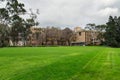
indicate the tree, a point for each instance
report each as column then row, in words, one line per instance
column 118, row 32
column 30, row 22
column 101, row 30
column 4, row 35
column 4, row 29
column 10, row 15
column 16, row 9
column 92, row 28
column 51, row 35
column 112, row 34
column 67, row 35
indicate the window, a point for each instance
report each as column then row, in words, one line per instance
column 79, row 33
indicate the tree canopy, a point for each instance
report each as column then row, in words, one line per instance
column 112, row 34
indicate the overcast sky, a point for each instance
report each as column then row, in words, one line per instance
column 72, row 13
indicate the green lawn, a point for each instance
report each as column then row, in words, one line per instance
column 60, row 63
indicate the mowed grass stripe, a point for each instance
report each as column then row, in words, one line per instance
column 91, row 68
column 66, row 67
column 60, row 63
column 102, row 68
column 90, row 61
column 106, row 70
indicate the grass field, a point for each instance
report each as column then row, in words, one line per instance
column 60, row 63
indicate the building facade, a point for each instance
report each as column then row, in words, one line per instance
column 85, row 37
column 40, row 36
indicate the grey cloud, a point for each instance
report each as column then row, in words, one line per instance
column 73, row 13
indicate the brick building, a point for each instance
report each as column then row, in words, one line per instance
column 85, row 37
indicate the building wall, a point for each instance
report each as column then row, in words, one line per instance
column 85, row 36
column 80, row 36
column 88, row 37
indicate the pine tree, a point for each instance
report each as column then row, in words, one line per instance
column 112, row 34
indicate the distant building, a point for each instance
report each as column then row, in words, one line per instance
column 39, row 36
column 85, row 37
column 34, row 37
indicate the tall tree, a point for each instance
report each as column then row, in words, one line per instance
column 101, row 30
column 16, row 9
column 4, row 29
column 11, row 15
column 112, row 36
column 92, row 28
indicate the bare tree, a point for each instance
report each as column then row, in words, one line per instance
column 52, row 35
column 67, row 35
